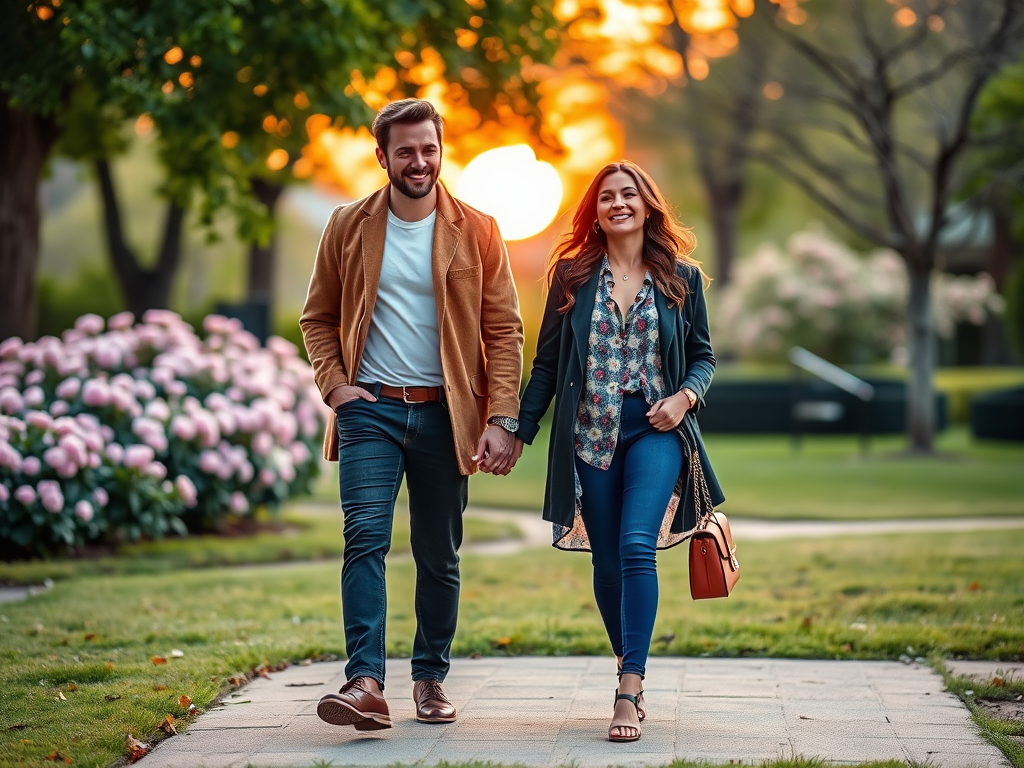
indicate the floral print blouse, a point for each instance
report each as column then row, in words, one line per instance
column 625, row 356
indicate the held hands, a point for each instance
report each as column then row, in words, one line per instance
column 497, row 451
column 666, row 414
column 346, row 394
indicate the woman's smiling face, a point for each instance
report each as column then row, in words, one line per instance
column 620, row 208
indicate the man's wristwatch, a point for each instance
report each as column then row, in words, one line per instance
column 507, row 423
column 690, row 395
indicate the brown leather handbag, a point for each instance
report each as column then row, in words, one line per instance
column 714, row 569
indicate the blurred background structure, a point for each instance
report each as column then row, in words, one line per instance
column 851, row 168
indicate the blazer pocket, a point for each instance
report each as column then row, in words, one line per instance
column 479, row 384
column 465, row 272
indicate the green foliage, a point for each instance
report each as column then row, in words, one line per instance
column 59, row 302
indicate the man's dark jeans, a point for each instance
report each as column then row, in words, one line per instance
column 380, row 442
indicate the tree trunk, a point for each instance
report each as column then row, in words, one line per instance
column 262, row 257
column 921, row 348
column 724, row 203
column 143, row 288
column 25, row 142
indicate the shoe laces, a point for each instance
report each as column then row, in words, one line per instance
column 433, row 688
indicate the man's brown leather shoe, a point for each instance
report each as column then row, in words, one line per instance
column 355, row 704
column 432, row 706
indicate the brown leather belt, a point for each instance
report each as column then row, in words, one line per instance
column 405, row 394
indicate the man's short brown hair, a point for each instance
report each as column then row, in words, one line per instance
column 405, row 111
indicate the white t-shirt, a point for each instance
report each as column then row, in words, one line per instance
column 403, row 347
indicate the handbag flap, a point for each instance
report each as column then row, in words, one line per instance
column 718, row 529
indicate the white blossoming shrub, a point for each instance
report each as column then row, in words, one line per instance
column 846, row 307
column 140, row 430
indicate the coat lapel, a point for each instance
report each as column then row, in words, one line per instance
column 446, row 240
column 582, row 312
column 372, row 231
column 667, row 319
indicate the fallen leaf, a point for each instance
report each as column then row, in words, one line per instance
column 192, row 711
column 112, row 696
column 109, row 665
column 72, row 687
column 57, row 757
column 998, row 681
column 167, row 725
column 974, row 586
column 26, row 742
column 158, row 660
column 238, row 679
column 136, row 749
column 501, row 642
column 90, row 636
column 53, row 658
column 184, row 701
column 159, row 687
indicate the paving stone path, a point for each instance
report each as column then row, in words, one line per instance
column 544, row 712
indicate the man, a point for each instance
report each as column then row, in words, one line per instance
column 412, row 326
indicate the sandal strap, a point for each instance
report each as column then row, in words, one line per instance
column 635, row 700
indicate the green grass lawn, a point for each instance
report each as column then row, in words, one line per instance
column 869, row 597
column 304, row 531
column 827, row 479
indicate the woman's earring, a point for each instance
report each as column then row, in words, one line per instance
column 596, row 227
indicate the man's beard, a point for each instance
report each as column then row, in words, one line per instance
column 400, row 183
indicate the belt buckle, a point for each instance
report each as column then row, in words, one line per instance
column 405, row 396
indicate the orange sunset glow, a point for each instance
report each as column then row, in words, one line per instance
column 625, row 43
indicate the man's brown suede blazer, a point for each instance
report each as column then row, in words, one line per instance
column 478, row 318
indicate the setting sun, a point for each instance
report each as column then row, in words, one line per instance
column 512, row 185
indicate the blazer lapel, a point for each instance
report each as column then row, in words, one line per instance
column 372, row 232
column 582, row 312
column 446, row 240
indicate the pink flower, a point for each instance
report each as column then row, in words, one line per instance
column 107, row 356
column 187, row 490
column 25, row 494
column 123, row 399
column 59, row 407
column 262, row 443
column 220, row 324
column 121, row 321
column 210, row 462
column 238, row 504
column 299, row 452
column 183, row 427
column 267, row 476
column 96, row 393
column 158, row 409
column 226, row 422
column 10, row 347
column 207, row 428
column 162, row 317
column 5, row 494
column 83, row 511
column 282, row 347
column 246, row 472
column 90, row 324
column 56, row 458
column 9, row 457
column 100, row 497
column 35, row 377
column 31, row 466
column 115, row 453
column 138, row 456
column 11, row 401
column 176, row 388
column 75, row 448
column 50, row 495
column 155, row 469
column 34, row 397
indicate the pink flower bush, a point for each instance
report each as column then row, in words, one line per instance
column 115, row 420
column 846, row 307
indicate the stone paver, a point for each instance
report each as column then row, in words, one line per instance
column 544, row 711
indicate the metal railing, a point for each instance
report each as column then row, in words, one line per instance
column 826, row 410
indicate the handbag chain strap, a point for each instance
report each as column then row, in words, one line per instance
column 701, row 494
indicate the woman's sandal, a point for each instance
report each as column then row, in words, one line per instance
column 624, row 726
column 641, row 710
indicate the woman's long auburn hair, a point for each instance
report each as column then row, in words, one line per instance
column 666, row 242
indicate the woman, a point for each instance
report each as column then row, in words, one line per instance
column 624, row 350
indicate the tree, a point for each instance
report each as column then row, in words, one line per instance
column 874, row 125
column 229, row 87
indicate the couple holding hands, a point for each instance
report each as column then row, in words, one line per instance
column 412, row 327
